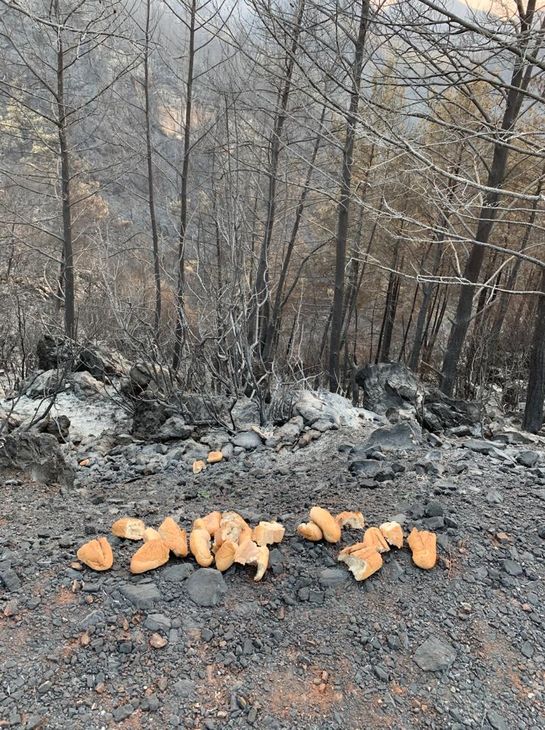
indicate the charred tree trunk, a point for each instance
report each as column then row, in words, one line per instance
column 343, row 217
column 535, row 393
column 67, row 275
column 181, row 324
column 260, row 307
column 519, row 82
column 151, row 190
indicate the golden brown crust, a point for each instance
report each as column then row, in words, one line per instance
column 361, row 562
column 198, row 466
column 327, row 523
column 214, row 457
column 232, row 527
column 393, row 533
column 374, row 538
column 209, row 522
column 225, row 556
column 199, row 544
column 151, row 534
column 151, row 555
column 174, row 536
column 310, row 531
column 423, row 545
column 268, row 533
column 130, row 528
column 96, row 554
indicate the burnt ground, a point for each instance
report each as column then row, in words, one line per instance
column 289, row 652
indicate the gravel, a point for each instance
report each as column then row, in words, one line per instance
column 461, row 646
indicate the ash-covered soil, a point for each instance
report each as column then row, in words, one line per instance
column 307, row 648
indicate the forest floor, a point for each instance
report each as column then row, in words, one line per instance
column 308, row 648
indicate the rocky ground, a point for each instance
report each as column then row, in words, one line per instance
column 461, row 646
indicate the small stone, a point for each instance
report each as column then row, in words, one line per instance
column 333, row 577
column 184, row 687
column 434, row 655
column 511, row 567
column 494, row 496
column 206, row 587
column 157, row 622
column 434, row 509
column 178, row 573
column 527, row 649
column 141, row 595
column 157, row 641
column 496, row 721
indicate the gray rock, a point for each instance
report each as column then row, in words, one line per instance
column 511, row 567
column 206, row 587
column 184, row 687
column 310, row 407
column 528, row 458
column 9, row 578
column 174, row 428
column 178, row 573
column 141, row 595
column 286, row 434
column 434, row 509
column 527, row 649
column 47, row 383
column 480, row 446
column 404, row 436
column 371, row 469
column 496, row 721
column 37, row 455
column 494, row 496
column 157, row 622
column 433, row 523
column 245, row 413
column 247, row 440
column 434, row 655
column 333, row 577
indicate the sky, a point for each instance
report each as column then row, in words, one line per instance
column 489, row 4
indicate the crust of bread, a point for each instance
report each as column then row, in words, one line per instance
column 130, row 528
column 310, row 531
column 268, row 533
column 374, row 538
column 214, row 457
column 327, row 523
column 96, row 554
column 362, row 562
column 393, row 533
column 356, row 520
column 174, row 536
column 151, row 555
column 225, row 556
column 423, row 545
column 199, row 544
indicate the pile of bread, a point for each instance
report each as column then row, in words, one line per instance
column 220, row 538
column 226, row 538
column 365, row 558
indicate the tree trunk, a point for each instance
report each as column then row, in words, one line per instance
column 180, row 317
column 535, row 393
column 519, row 82
column 68, row 285
column 274, row 322
column 343, row 217
column 151, row 193
column 260, row 306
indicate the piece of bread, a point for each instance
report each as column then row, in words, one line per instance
column 232, row 527
column 151, row 555
column 151, row 534
column 214, row 457
column 199, row 544
column 248, row 553
column 174, row 537
column 393, row 532
column 373, row 537
column 423, row 546
column 97, row 554
column 351, row 519
column 268, row 533
column 198, row 466
column 130, row 528
column 225, row 556
column 327, row 523
column 362, row 562
column 210, row 523
column 310, row 531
